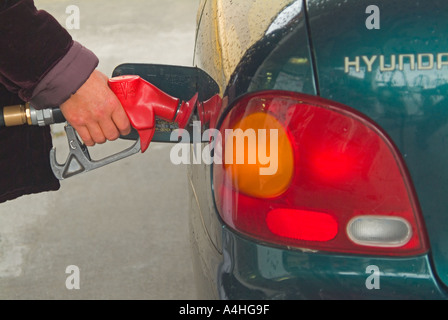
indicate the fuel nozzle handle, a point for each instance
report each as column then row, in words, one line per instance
column 143, row 101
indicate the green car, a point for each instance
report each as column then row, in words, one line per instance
column 340, row 188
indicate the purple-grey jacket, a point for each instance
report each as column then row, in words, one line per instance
column 38, row 58
column 39, row 63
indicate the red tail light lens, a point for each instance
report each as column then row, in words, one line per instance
column 302, row 225
column 340, row 184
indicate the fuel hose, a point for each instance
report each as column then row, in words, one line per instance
column 23, row 114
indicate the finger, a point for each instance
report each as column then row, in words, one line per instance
column 121, row 121
column 96, row 133
column 85, row 136
column 109, row 130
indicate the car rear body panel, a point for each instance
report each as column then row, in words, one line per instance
column 228, row 29
column 408, row 98
column 278, row 54
column 255, row 271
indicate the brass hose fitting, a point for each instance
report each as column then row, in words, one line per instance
column 16, row 115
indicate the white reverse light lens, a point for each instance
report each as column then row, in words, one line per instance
column 379, row 231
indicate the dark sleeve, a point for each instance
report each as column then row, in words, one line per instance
column 24, row 157
column 38, row 58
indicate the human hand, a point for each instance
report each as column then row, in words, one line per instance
column 95, row 112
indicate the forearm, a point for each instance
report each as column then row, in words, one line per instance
column 6, row 3
column 42, row 64
column 38, row 58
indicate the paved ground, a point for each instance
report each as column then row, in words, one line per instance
column 124, row 226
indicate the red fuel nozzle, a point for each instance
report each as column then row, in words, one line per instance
column 142, row 101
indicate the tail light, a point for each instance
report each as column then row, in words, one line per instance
column 305, row 172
